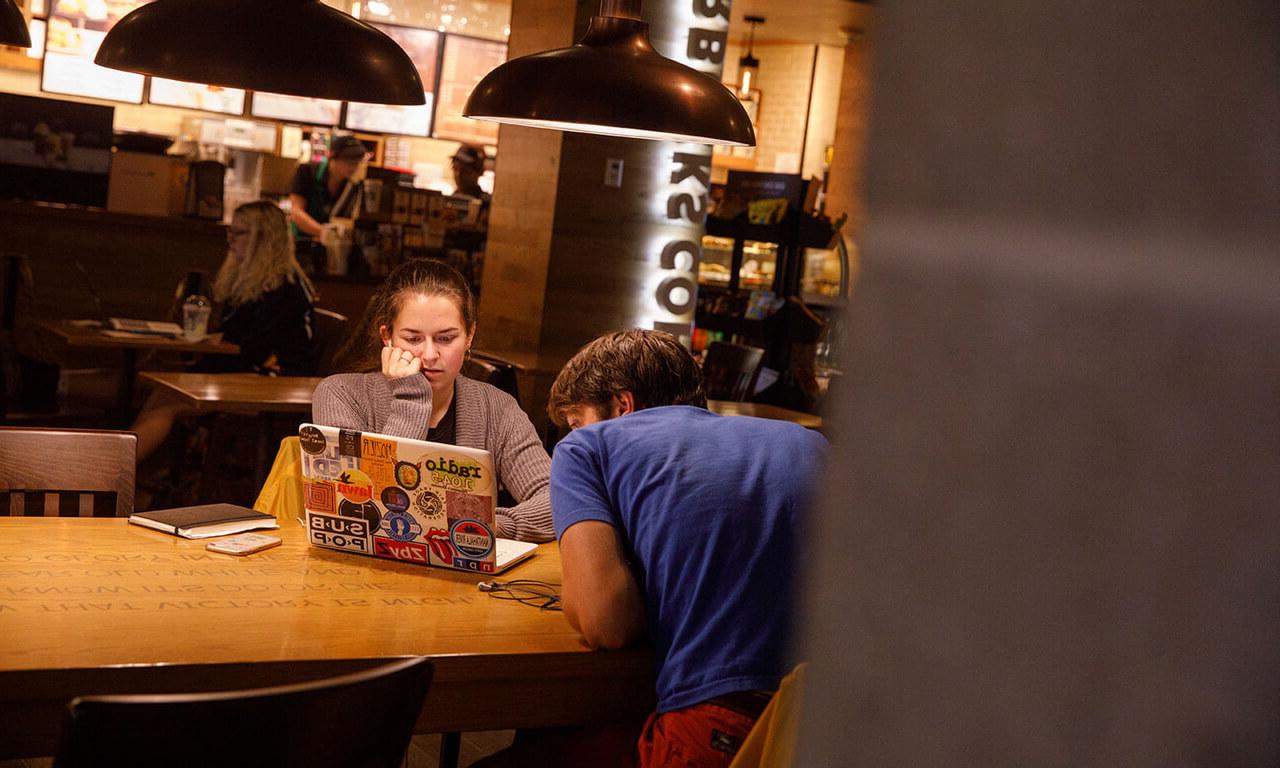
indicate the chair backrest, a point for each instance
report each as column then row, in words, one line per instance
column 66, row 472
column 362, row 720
column 331, row 330
column 492, row 370
column 730, row 371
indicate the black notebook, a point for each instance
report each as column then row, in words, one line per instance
column 204, row 520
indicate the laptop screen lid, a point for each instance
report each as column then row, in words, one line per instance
column 403, row 499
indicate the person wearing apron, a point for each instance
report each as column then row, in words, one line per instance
column 317, row 191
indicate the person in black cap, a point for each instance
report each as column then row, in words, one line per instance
column 318, row 190
column 468, row 167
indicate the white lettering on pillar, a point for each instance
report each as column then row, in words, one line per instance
column 676, row 295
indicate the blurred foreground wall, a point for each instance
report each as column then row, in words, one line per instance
column 1052, row 533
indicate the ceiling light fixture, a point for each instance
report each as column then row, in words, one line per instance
column 613, row 83
column 13, row 25
column 297, row 47
column 749, row 65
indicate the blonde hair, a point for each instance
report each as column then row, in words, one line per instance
column 269, row 259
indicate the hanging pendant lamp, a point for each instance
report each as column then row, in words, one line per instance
column 749, row 65
column 298, row 47
column 13, row 25
column 614, row 83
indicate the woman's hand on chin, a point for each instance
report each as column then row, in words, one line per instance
column 398, row 363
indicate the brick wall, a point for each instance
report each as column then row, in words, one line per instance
column 784, row 83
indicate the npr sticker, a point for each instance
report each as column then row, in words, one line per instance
column 401, row 526
column 409, row 551
column 355, row 486
column 319, row 496
column 471, row 538
column 349, row 533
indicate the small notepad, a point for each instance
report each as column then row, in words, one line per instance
column 204, row 520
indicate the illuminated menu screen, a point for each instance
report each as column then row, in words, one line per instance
column 297, row 108
column 466, row 60
column 210, row 98
column 75, row 30
column 423, row 47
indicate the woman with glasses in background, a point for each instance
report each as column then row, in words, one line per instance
column 266, row 304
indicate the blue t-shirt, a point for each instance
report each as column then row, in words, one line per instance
column 709, row 509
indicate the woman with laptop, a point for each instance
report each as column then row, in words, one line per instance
column 419, row 334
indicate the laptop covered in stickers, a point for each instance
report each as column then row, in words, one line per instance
column 403, row 499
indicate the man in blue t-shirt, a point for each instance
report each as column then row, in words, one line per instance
column 680, row 524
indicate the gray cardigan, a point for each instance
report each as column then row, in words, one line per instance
column 486, row 418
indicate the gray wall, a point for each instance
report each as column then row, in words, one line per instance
column 1051, row 530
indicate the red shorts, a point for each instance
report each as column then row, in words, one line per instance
column 707, row 734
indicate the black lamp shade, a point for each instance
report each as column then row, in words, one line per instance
column 298, row 47
column 13, row 26
column 612, row 82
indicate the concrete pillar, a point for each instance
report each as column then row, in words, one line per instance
column 1050, row 531
column 570, row 257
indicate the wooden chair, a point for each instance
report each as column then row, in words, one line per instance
column 66, row 472
column 730, row 371
column 492, row 370
column 331, row 330
column 361, row 720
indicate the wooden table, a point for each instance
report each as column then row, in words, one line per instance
column 90, row 335
column 245, row 393
column 101, row 606
column 760, row 410
column 238, row 392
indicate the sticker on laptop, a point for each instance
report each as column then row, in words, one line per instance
column 312, row 440
column 408, row 476
column 471, row 538
column 319, row 496
column 438, row 540
column 401, row 526
column 355, row 486
column 429, row 504
column 349, row 533
column 409, row 551
column 395, row 499
column 349, row 443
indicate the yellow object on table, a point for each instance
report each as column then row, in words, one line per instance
column 281, row 494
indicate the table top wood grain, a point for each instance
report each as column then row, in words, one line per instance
column 238, row 392
column 101, row 606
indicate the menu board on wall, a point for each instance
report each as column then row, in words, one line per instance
column 210, row 98
column 302, row 109
column 466, row 60
column 423, row 47
column 75, row 30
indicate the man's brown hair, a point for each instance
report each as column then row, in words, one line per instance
column 652, row 365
